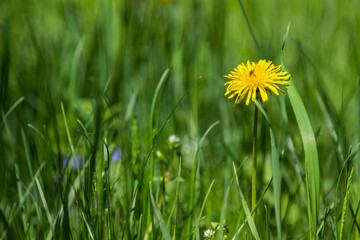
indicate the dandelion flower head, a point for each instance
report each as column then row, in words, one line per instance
column 246, row 80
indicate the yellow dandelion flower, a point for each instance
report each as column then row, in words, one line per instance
column 248, row 79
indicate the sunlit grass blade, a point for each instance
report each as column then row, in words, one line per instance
column 87, row 226
column 158, row 216
column 47, row 212
column 249, row 218
column 275, row 164
column 310, row 149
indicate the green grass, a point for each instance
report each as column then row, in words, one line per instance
column 83, row 79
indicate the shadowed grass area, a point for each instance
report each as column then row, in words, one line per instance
column 100, row 140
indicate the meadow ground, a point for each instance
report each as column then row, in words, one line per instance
column 114, row 123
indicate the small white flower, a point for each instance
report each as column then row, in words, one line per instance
column 173, row 139
column 209, row 233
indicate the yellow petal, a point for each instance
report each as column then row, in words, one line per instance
column 263, row 94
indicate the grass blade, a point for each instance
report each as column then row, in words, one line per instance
column 176, row 202
column 275, row 164
column 10, row 231
column 348, row 188
column 202, row 208
column 249, row 218
column 68, row 133
column 11, row 110
column 220, row 226
column 26, row 194
column 310, row 149
column 163, row 228
column 193, row 174
column 151, row 124
column 47, row 212
column 250, row 29
column 87, row 227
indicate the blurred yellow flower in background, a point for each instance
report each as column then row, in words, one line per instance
column 250, row 78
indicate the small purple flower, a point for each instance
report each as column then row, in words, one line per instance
column 95, row 201
column 72, row 163
column 116, row 155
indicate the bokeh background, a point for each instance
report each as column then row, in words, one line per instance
column 102, row 61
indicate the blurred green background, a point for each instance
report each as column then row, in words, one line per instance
column 103, row 61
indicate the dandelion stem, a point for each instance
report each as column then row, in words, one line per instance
column 253, row 180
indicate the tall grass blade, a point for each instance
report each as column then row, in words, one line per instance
column 202, row 209
column 10, row 232
column 26, row 194
column 27, row 154
column 174, row 209
column 249, row 218
column 87, row 227
column 275, row 164
column 151, row 124
column 47, row 212
column 193, row 173
column 348, row 188
column 220, row 233
column 310, row 149
column 20, row 100
column 157, row 213
column 250, row 29
column 68, row 133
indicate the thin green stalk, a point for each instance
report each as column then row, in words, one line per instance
column 253, row 180
column 151, row 123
